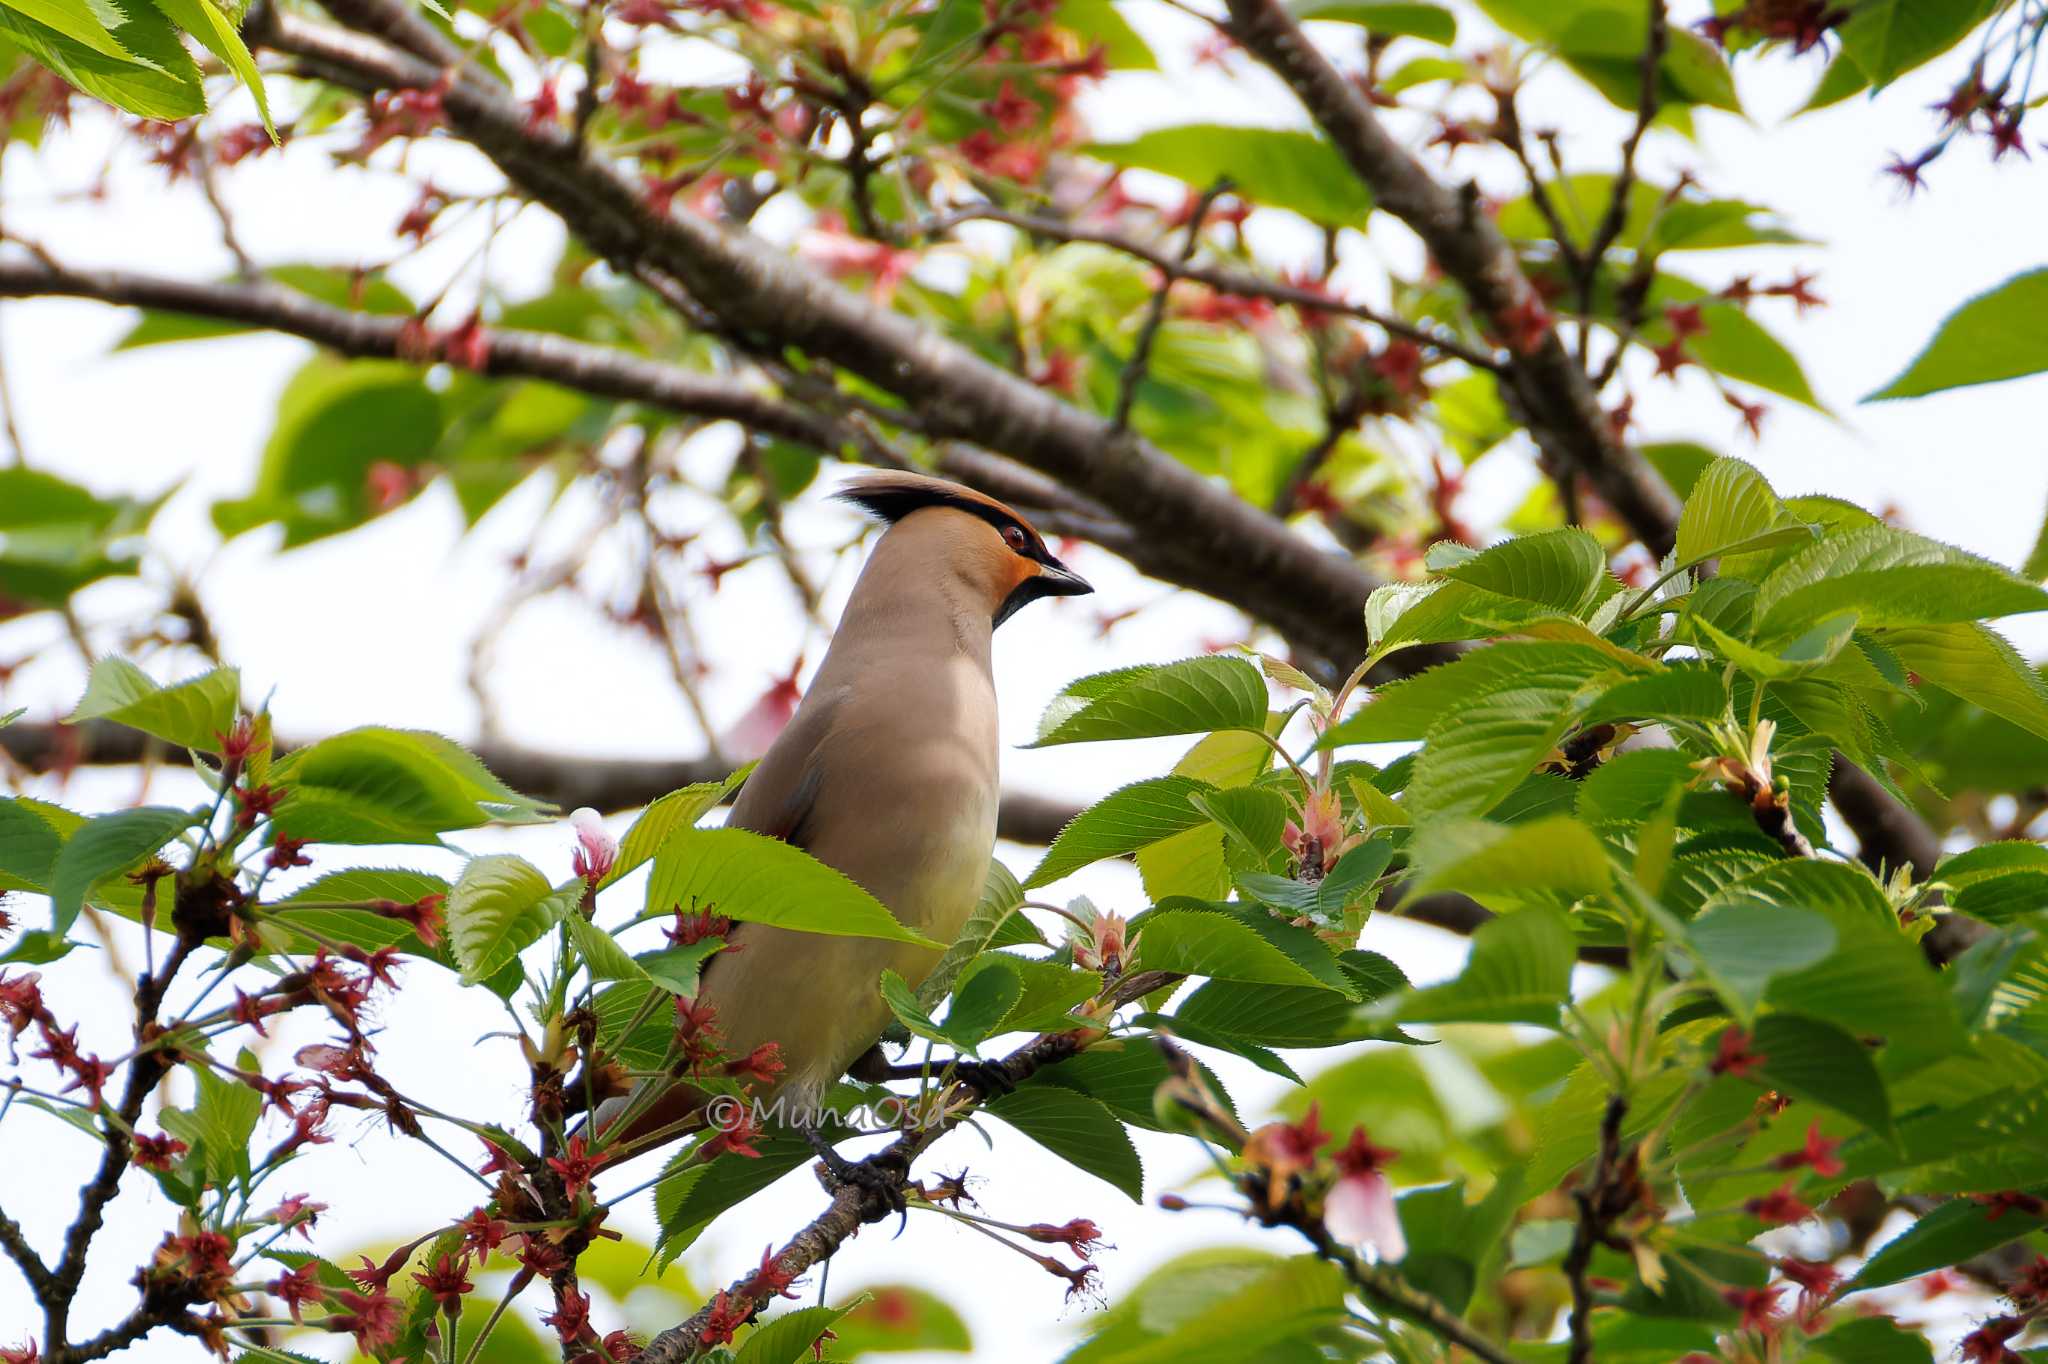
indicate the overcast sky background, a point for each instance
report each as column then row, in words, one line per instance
column 375, row 626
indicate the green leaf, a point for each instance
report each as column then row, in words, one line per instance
column 28, row 846
column 1078, row 1129
column 1889, row 578
column 888, row 1318
column 1268, row 1313
column 689, row 1201
column 1274, row 167
column 1130, row 818
column 193, row 714
column 1504, row 866
column 106, row 846
column 377, row 785
column 747, row 876
column 1051, row 991
column 1193, row 696
column 1226, row 942
column 676, row 810
column 335, row 419
column 1873, row 1340
column 1193, row 862
column 1565, row 569
column 499, row 907
column 1744, row 945
column 998, row 906
column 1325, row 900
column 1450, row 1240
column 1658, row 220
column 1977, row 664
column 1819, row 1062
column 1430, row 22
column 155, row 79
column 218, row 1125
column 676, row 969
column 75, row 19
column 1732, row 505
column 1410, row 708
column 1876, row 979
column 1811, row 651
column 1734, row 344
column 1887, row 38
column 1683, row 691
column 788, row 1338
column 219, row 34
column 1289, row 1015
column 601, row 952
column 1472, row 758
column 1957, row 1230
column 1520, row 971
column 358, row 928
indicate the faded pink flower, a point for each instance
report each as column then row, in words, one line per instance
column 596, row 850
column 1360, row 1208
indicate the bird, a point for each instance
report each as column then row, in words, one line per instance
column 886, row 772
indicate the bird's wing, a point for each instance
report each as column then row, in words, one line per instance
column 782, row 790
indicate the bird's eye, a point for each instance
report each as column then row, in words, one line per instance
column 1014, row 538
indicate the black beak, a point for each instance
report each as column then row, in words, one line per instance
column 1053, row 579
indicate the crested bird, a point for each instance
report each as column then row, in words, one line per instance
column 886, row 772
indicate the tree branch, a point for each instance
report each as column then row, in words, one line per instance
column 757, row 291
column 1543, row 386
column 600, row 370
column 1240, row 283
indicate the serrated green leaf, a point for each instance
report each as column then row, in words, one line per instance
column 1503, row 866
column 1817, row 1061
column 1992, row 337
column 788, row 1339
column 998, row 905
column 676, row 810
column 1957, row 1230
column 28, row 846
column 1228, row 942
column 1888, row 577
column 1127, row 819
column 1520, row 971
column 750, row 877
column 1078, row 1129
column 499, row 907
column 105, row 847
column 1327, row 899
column 219, row 34
column 379, row 785
column 1193, row 696
column 192, row 714
column 1471, row 759
column 1731, row 505
column 1564, row 569
column 1743, row 945
column 1977, row 664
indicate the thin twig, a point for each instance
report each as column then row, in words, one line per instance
column 1238, row 283
column 1155, row 315
column 1596, row 1204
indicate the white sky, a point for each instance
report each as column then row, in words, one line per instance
column 374, row 626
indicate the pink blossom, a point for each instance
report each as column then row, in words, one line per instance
column 1360, row 1211
column 596, row 850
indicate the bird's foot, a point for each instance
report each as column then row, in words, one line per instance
column 989, row 1077
column 879, row 1176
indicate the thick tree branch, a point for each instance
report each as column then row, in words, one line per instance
column 1543, row 386
column 1546, row 389
column 758, row 292
column 600, row 370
